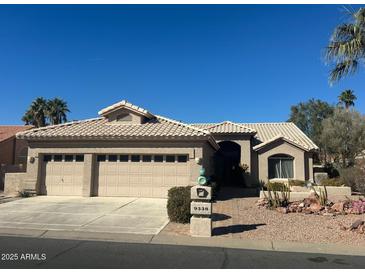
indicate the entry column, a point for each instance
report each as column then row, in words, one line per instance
column 88, row 178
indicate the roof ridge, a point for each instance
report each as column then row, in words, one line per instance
column 126, row 104
column 183, row 124
column 281, row 136
column 232, row 123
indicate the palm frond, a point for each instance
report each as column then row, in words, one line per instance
column 342, row 69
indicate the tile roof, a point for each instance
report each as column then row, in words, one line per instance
column 125, row 104
column 7, row 132
column 101, row 128
column 228, row 127
column 266, row 132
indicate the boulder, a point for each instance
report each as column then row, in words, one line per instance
column 356, row 224
column 338, row 207
column 310, row 201
column 315, row 207
column 282, row 210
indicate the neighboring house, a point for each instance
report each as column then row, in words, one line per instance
column 13, row 152
column 129, row 151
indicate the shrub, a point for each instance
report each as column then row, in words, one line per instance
column 354, row 177
column 276, row 186
column 331, row 170
column 178, row 204
column 24, row 194
column 332, row 182
column 321, row 195
column 297, row 183
column 278, row 198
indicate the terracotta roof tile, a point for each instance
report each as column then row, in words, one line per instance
column 228, row 127
column 266, row 132
column 101, row 128
column 7, row 132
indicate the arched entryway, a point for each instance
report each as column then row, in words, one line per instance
column 227, row 163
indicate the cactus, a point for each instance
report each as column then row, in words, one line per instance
column 322, row 196
column 277, row 198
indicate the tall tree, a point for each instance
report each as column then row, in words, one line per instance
column 36, row 114
column 308, row 116
column 57, row 110
column 343, row 136
column 346, row 48
column 347, row 98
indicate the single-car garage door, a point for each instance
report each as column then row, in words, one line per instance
column 141, row 175
column 63, row 174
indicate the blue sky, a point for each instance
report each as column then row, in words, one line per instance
column 194, row 63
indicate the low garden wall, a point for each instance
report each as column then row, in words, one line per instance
column 14, row 182
column 334, row 193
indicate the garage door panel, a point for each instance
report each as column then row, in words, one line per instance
column 63, row 178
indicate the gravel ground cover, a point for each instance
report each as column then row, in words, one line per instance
column 241, row 218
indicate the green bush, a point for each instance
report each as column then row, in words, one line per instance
column 276, row 186
column 178, row 204
column 332, row 182
column 331, row 170
column 353, row 177
column 297, row 183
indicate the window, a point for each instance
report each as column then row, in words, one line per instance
column 281, row 166
column 112, row 158
column 182, row 158
column 135, row 158
column 69, row 158
column 146, row 158
column 158, row 158
column 123, row 158
column 170, row 158
column 79, row 158
column 47, row 158
column 57, row 158
column 101, row 158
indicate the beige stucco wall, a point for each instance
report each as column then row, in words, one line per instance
column 302, row 161
column 193, row 149
column 135, row 118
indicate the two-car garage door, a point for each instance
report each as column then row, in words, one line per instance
column 117, row 175
column 141, row 175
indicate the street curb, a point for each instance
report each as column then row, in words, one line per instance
column 218, row 242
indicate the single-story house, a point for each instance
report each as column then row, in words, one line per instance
column 129, row 151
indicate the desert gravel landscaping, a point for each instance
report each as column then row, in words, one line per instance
column 241, row 218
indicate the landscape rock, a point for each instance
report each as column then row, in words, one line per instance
column 339, row 206
column 282, row 210
column 315, row 208
column 356, row 224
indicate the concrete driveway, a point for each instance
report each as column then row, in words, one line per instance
column 94, row 214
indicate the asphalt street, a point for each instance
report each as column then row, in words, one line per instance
column 22, row 252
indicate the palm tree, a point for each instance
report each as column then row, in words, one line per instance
column 28, row 118
column 347, row 46
column 347, row 98
column 36, row 114
column 57, row 110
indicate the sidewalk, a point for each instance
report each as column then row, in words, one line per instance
column 224, row 242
